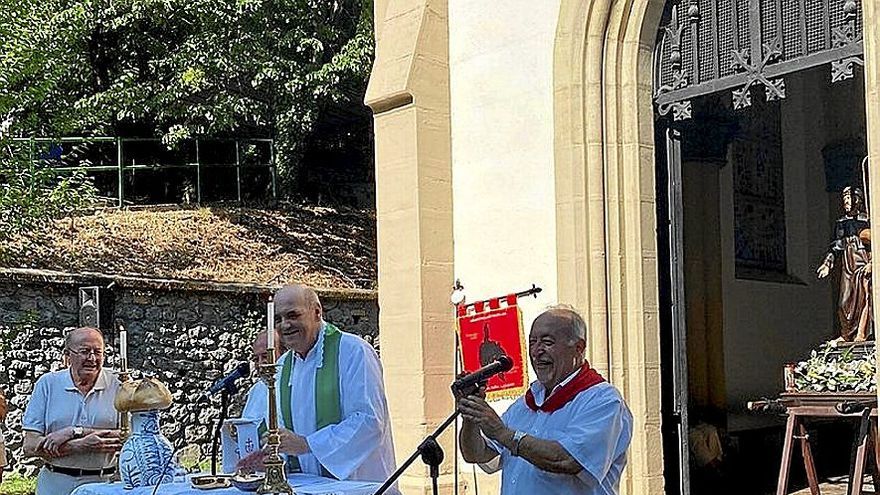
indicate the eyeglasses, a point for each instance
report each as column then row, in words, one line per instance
column 85, row 353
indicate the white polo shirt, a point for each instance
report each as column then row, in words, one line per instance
column 56, row 403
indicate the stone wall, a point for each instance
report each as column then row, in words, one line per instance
column 186, row 335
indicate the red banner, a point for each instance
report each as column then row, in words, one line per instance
column 488, row 332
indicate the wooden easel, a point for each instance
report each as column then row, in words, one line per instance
column 802, row 406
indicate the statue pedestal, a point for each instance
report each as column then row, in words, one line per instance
column 857, row 349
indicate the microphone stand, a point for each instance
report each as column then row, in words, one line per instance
column 430, row 452
column 225, row 392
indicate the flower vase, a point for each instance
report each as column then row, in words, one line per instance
column 145, row 459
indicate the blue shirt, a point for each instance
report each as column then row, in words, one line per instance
column 56, row 404
column 595, row 428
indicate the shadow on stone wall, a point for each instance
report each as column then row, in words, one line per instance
column 186, row 338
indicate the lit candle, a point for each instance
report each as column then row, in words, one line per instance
column 270, row 325
column 123, row 348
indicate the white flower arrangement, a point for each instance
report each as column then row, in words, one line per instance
column 831, row 370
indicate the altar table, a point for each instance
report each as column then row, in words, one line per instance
column 304, row 484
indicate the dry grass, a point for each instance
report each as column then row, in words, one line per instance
column 324, row 247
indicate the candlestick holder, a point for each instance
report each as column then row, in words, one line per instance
column 275, row 481
column 124, row 418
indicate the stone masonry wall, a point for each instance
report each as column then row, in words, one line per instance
column 186, row 338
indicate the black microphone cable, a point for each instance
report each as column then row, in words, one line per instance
column 165, row 468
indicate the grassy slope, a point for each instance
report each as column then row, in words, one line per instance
column 324, row 247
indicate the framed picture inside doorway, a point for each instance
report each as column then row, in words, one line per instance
column 759, row 195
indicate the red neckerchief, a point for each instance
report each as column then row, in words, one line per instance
column 586, row 378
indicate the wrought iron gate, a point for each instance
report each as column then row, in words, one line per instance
column 707, row 46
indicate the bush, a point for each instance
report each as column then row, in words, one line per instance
column 16, row 484
column 31, row 196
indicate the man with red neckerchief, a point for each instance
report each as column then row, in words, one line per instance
column 572, row 440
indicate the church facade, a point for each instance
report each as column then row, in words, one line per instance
column 523, row 142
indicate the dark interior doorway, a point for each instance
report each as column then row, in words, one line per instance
column 730, row 318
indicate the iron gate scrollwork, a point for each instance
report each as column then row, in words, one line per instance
column 707, row 46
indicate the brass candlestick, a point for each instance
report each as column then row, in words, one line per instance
column 124, row 376
column 275, row 481
column 124, row 416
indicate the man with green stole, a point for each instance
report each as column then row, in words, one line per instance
column 333, row 415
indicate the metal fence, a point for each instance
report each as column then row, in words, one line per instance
column 127, row 157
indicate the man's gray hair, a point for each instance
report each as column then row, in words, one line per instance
column 302, row 292
column 575, row 323
column 68, row 339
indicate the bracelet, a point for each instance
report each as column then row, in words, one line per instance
column 517, row 438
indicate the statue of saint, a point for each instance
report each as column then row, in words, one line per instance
column 852, row 246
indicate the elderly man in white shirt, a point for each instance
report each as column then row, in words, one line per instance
column 331, row 397
column 70, row 420
column 572, row 440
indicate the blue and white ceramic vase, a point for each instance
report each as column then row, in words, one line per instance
column 145, row 459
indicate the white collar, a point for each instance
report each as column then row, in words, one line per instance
column 538, row 389
column 565, row 381
column 100, row 382
column 317, row 350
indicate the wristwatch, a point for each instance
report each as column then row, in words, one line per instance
column 78, row 432
column 517, row 438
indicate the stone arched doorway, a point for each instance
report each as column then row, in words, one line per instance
column 607, row 204
column 605, row 194
column 607, row 256
column 759, row 127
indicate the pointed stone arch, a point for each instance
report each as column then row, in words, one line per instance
column 605, row 197
column 605, row 204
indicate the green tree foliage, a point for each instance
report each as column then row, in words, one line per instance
column 182, row 68
column 31, row 194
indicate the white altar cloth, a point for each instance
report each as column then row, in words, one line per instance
column 304, row 484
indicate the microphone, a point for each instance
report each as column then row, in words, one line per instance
column 227, row 381
column 500, row 365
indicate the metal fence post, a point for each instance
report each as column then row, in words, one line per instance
column 272, row 168
column 237, row 171
column 120, row 165
column 198, row 175
column 31, row 166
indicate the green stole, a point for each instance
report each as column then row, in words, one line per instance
column 328, row 406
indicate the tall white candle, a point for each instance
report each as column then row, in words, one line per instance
column 270, row 325
column 123, row 346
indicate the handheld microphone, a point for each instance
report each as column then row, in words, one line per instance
column 227, row 381
column 500, row 365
